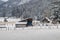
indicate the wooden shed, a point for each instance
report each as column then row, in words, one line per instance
column 24, row 23
column 21, row 24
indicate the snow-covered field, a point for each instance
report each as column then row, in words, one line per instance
column 30, row 34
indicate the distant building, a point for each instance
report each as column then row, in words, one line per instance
column 45, row 20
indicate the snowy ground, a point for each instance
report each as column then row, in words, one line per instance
column 30, row 34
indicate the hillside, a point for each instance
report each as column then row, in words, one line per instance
column 27, row 8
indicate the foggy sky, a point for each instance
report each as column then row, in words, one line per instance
column 4, row 0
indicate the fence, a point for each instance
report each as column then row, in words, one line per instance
column 36, row 26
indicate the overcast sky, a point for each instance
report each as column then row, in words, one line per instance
column 4, row 0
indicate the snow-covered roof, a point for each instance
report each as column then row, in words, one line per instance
column 47, row 18
column 21, row 22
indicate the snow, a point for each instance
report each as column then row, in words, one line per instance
column 37, row 32
column 10, row 19
column 23, row 1
column 34, row 34
column 13, row 19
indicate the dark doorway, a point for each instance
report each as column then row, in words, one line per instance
column 29, row 22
